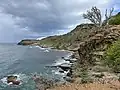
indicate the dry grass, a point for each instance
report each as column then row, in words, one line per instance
column 114, row 85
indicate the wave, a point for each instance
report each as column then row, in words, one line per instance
column 40, row 47
column 61, row 61
column 46, row 50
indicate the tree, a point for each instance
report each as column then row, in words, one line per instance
column 108, row 16
column 94, row 15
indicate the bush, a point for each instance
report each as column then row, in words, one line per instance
column 115, row 20
column 112, row 57
column 85, row 77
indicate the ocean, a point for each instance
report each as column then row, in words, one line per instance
column 25, row 61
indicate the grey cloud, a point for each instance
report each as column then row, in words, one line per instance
column 46, row 17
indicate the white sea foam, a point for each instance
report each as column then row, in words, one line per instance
column 40, row 47
column 37, row 46
column 31, row 47
column 60, row 61
column 57, row 72
column 46, row 50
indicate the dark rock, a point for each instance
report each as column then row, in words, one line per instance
column 61, row 71
column 16, row 82
column 11, row 79
column 68, row 79
column 65, row 68
column 70, row 60
column 69, row 74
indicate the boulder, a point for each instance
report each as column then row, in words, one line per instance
column 16, row 82
column 11, row 79
column 65, row 68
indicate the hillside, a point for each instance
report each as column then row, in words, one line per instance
column 90, row 45
column 67, row 41
column 71, row 40
column 115, row 20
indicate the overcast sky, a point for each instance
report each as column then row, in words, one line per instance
column 20, row 19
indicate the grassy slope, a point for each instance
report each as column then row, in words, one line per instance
column 115, row 20
column 72, row 39
column 69, row 40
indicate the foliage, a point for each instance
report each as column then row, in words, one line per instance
column 85, row 77
column 81, row 71
column 115, row 20
column 70, row 39
column 112, row 57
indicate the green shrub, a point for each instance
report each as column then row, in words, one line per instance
column 115, row 20
column 85, row 77
column 112, row 57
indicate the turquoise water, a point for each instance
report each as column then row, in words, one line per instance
column 25, row 61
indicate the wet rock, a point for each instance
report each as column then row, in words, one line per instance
column 11, row 79
column 61, row 71
column 16, row 82
column 70, row 60
column 65, row 68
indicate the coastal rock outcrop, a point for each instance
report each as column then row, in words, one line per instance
column 28, row 42
column 97, row 43
column 13, row 80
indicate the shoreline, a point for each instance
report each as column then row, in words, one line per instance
column 62, row 66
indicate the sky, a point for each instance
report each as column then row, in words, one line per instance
column 22, row 19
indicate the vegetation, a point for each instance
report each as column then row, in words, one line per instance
column 69, row 40
column 72, row 39
column 88, row 42
column 108, row 16
column 112, row 57
column 95, row 16
column 85, row 78
column 115, row 20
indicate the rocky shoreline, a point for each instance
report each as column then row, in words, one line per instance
column 88, row 66
column 65, row 69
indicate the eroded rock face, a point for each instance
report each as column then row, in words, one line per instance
column 98, row 41
column 92, row 49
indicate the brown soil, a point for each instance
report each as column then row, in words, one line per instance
column 113, row 85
